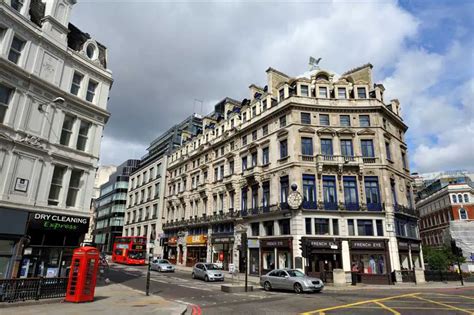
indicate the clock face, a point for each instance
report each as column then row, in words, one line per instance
column 295, row 200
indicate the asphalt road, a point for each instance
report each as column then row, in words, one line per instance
column 179, row 286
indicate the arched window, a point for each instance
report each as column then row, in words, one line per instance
column 466, row 198
column 459, row 198
column 463, row 214
column 454, row 199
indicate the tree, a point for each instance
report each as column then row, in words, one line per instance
column 440, row 258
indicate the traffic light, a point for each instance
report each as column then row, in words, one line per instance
column 303, row 247
column 455, row 250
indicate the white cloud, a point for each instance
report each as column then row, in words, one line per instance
column 115, row 151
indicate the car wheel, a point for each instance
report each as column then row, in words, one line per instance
column 206, row 278
column 193, row 275
column 267, row 286
column 298, row 288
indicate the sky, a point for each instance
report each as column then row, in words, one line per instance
column 166, row 55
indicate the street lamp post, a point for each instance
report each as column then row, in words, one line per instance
column 148, row 275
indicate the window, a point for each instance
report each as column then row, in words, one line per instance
column 254, row 135
column 466, row 198
column 372, row 193
column 309, row 191
column 232, row 145
column 282, row 121
column 255, row 228
column 324, row 119
column 56, row 185
column 91, row 87
column 254, row 197
column 323, row 92
column 268, row 227
column 17, row 4
column 345, row 120
column 67, row 130
column 361, row 93
column 364, row 120
column 321, row 226
column 387, row 151
column 329, row 192
column 231, row 167
column 365, row 227
column 306, row 118
column 463, row 214
column 341, row 92
column 304, row 90
column 384, row 123
column 350, row 226
column 367, row 148
column 379, row 226
column 404, row 160
column 264, row 105
column 346, row 148
column 15, row 50
column 83, row 135
column 266, row 194
column 244, row 117
column 5, row 97
column 266, row 156
column 74, row 185
column 455, row 200
column 283, row 149
column 335, row 227
column 326, row 146
column 284, row 225
column 244, row 163
column 459, row 198
column 282, row 94
column 307, row 146
column 244, row 140
column 265, row 130
column 284, row 187
column 221, row 171
column 350, row 193
column 76, row 83
column 308, row 227
column 254, row 111
column 408, row 195
column 254, row 159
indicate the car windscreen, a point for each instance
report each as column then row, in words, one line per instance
column 212, row 267
column 295, row 273
column 163, row 261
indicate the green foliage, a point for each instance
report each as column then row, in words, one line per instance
column 440, row 258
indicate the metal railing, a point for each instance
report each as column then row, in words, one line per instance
column 22, row 289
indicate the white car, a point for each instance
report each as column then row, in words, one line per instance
column 162, row 265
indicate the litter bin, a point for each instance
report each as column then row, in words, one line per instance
column 354, row 278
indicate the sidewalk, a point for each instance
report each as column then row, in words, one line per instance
column 113, row 299
column 254, row 280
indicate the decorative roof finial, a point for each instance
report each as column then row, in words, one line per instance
column 314, row 63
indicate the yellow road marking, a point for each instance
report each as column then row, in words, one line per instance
column 443, row 304
column 387, row 308
column 406, row 308
column 320, row 311
column 454, row 295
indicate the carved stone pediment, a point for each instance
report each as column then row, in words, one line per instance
column 387, row 135
column 252, row 146
column 361, row 82
column 342, row 81
column 306, row 130
column 282, row 133
column 346, row 132
column 326, row 131
column 264, row 142
column 366, row 132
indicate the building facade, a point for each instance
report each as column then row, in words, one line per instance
column 111, row 205
column 343, row 147
column 147, row 185
column 54, row 87
column 446, row 208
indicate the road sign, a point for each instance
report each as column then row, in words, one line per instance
column 231, row 268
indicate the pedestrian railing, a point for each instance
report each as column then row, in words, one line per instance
column 22, row 289
column 438, row 275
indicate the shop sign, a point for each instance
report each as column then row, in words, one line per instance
column 222, row 239
column 253, row 243
column 323, row 244
column 196, row 239
column 58, row 222
column 275, row 243
column 172, row 240
column 402, row 246
column 367, row 245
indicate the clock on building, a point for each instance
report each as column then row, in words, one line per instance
column 295, row 200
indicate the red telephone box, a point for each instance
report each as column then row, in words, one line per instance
column 83, row 275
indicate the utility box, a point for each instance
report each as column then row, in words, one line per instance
column 83, row 275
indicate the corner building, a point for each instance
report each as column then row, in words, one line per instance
column 338, row 141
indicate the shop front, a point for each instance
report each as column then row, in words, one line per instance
column 370, row 261
column 53, row 237
column 222, row 245
column 171, row 252
column 254, row 257
column 196, row 249
column 275, row 254
column 409, row 255
column 323, row 257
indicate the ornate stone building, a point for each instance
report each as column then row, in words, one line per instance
column 54, row 88
column 335, row 138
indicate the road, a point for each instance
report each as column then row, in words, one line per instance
column 179, row 286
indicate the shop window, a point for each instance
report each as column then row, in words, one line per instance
column 255, row 228
column 370, row 263
column 365, row 227
column 268, row 227
column 268, row 259
column 284, row 226
column 56, row 185
column 321, row 226
column 308, row 226
column 5, row 98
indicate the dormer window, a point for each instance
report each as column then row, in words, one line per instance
column 323, row 92
column 244, row 117
column 341, row 93
column 361, row 92
column 264, row 105
column 254, row 111
column 282, row 94
column 304, row 90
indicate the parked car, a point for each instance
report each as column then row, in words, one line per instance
column 162, row 265
column 208, row 272
column 290, row 279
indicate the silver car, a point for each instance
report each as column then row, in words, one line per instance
column 290, row 279
column 208, row 272
column 162, row 265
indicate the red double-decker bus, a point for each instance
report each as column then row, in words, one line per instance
column 129, row 250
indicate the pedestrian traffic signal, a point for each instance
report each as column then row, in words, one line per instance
column 303, row 247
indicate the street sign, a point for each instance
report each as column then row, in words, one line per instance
column 231, row 268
